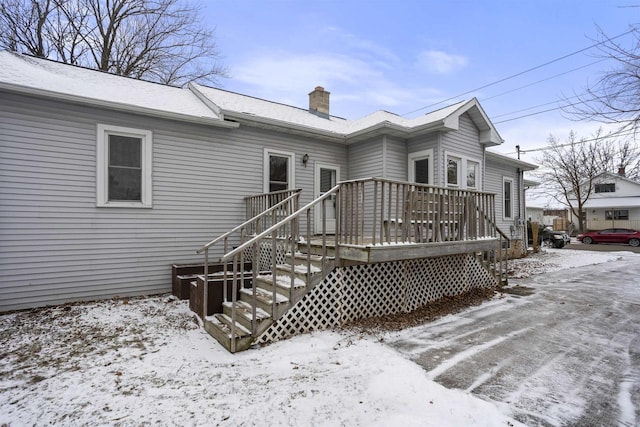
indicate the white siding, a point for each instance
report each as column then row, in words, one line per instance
column 57, row 246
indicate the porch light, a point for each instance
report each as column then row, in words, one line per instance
column 305, row 159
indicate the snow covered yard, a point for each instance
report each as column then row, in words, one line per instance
column 146, row 361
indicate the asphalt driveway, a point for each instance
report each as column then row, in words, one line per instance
column 562, row 350
column 602, row 247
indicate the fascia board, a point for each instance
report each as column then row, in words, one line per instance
column 284, row 126
column 116, row 106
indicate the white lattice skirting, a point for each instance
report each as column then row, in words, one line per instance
column 370, row 290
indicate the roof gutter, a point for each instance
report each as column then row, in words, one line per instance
column 285, row 126
column 118, row 106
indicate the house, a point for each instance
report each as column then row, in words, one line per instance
column 535, row 214
column 614, row 202
column 106, row 182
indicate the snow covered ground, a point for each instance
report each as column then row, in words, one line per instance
column 146, row 361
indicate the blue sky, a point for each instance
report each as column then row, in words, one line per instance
column 401, row 56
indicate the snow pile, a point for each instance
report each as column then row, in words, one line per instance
column 138, row 361
column 130, row 362
column 549, row 260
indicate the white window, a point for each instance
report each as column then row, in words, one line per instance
column 462, row 172
column 279, row 169
column 453, row 171
column 421, row 167
column 507, row 198
column 123, row 167
column 472, row 174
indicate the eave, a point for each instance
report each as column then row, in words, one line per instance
column 25, row 90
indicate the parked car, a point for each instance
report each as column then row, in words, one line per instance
column 555, row 239
column 548, row 237
column 611, row 235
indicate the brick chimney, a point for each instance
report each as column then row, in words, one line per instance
column 621, row 171
column 319, row 102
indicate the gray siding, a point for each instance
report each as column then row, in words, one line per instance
column 395, row 159
column 464, row 143
column 425, row 143
column 495, row 172
column 365, row 159
column 57, row 246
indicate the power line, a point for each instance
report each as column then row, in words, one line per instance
column 623, row 132
column 535, row 106
column 521, row 73
column 537, row 112
column 544, row 80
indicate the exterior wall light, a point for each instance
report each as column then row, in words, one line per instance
column 305, row 160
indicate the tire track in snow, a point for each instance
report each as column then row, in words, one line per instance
column 472, row 351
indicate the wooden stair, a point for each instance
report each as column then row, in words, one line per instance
column 259, row 298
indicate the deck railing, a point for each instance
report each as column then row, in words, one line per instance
column 263, row 249
column 281, row 207
column 368, row 211
column 257, row 204
column 379, row 211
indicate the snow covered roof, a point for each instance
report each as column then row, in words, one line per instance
column 203, row 104
column 612, row 202
column 243, row 107
column 501, row 158
column 36, row 76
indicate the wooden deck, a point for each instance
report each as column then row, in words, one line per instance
column 386, row 237
column 385, row 252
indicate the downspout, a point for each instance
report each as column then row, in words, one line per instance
column 521, row 202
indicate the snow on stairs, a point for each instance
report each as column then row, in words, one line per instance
column 219, row 325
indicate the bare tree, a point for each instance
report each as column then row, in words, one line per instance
column 157, row 40
column 568, row 170
column 615, row 96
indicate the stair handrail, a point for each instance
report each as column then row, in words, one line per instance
column 238, row 252
column 249, row 221
column 281, row 223
column 205, row 248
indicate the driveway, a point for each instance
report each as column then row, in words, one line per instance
column 602, row 247
column 562, row 350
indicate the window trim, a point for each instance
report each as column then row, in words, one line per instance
column 462, row 171
column 420, row 155
column 102, row 167
column 458, row 160
column 615, row 214
column 265, row 167
column 604, row 186
column 511, row 182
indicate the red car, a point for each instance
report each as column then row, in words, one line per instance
column 611, row 235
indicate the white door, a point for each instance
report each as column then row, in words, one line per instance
column 326, row 177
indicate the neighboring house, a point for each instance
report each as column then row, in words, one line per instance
column 614, row 203
column 535, row 214
column 107, row 181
